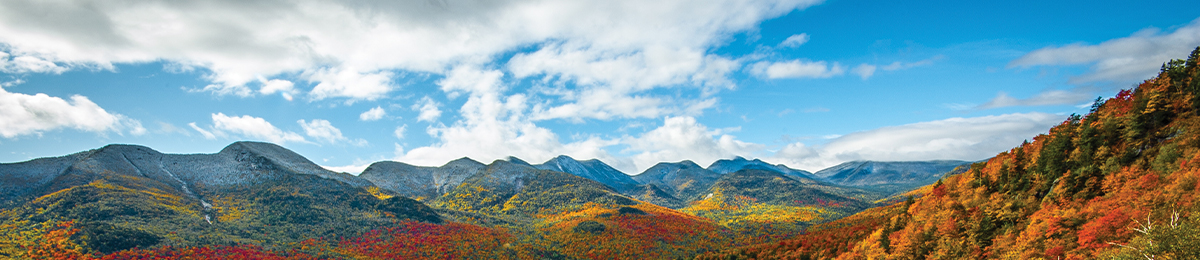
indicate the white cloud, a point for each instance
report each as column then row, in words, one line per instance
column 973, row 138
column 321, row 129
column 796, row 69
column 471, row 79
column 608, row 104
column 286, row 88
column 428, row 109
column 682, row 138
column 611, row 85
column 372, row 114
column 399, row 133
column 349, row 83
column 1045, row 98
column 1127, row 59
column 207, row 134
column 222, row 90
column 492, row 128
column 794, row 41
column 246, row 127
column 12, row 83
column 350, row 49
column 354, row 169
column 27, row 64
column 22, row 114
column 864, row 70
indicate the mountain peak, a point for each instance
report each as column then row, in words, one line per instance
column 593, row 169
column 126, row 147
column 465, row 161
column 738, row 163
column 688, row 164
column 888, row 176
column 514, row 159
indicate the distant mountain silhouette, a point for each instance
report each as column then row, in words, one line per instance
column 421, row 183
column 738, row 163
column 128, row 196
column 890, row 177
column 591, row 169
column 507, row 188
column 772, row 187
column 684, row 180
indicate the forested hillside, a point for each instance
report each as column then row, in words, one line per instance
column 1119, row 182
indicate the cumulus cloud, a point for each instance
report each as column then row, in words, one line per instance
column 22, row 114
column 246, row 126
column 682, row 138
column 1045, row 98
column 372, row 114
column 610, row 85
column 794, row 41
column 973, row 138
column 609, row 104
column 350, row 83
column 350, row 49
column 796, row 69
column 1126, row 59
column 494, row 127
column 471, row 79
column 284, row 87
column 322, row 130
column 428, row 110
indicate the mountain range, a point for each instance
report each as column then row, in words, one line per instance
column 124, row 197
column 890, row 177
column 127, row 196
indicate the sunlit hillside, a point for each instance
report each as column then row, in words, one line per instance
column 1119, row 182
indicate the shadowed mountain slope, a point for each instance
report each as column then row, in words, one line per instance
column 418, row 182
column 724, row 166
column 124, row 196
column 591, row 169
column 683, row 180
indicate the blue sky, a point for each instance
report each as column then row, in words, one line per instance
column 805, row 83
